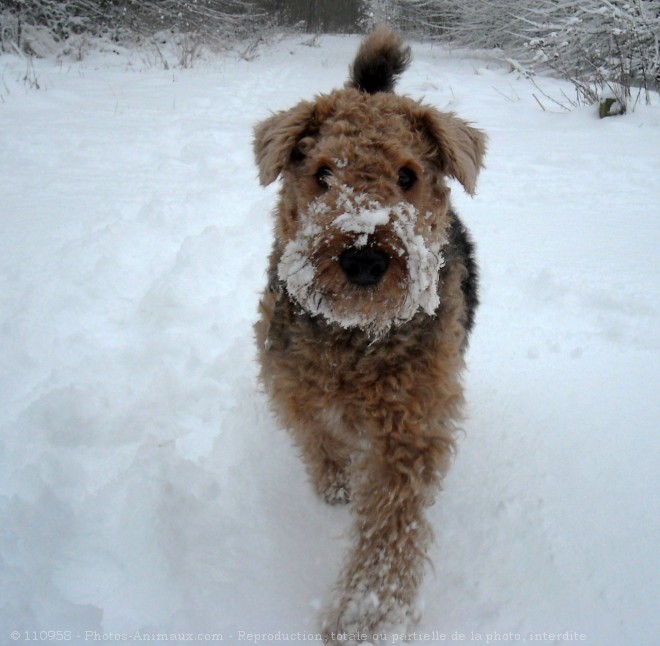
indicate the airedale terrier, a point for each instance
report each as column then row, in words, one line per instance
column 371, row 295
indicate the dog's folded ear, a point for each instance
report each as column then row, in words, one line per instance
column 456, row 146
column 276, row 138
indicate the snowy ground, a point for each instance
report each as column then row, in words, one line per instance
column 144, row 487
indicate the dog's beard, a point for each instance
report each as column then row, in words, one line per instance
column 309, row 265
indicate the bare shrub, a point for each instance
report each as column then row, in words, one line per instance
column 604, row 47
column 25, row 23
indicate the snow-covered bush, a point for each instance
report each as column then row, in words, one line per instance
column 449, row 20
column 30, row 25
column 35, row 27
column 602, row 46
column 606, row 47
column 318, row 16
column 223, row 19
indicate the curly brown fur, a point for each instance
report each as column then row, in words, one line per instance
column 380, row 60
column 370, row 299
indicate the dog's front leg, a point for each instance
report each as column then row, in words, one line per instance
column 377, row 592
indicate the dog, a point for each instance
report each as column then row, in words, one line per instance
column 371, row 294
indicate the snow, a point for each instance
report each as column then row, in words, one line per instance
column 145, row 487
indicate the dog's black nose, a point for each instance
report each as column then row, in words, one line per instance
column 364, row 266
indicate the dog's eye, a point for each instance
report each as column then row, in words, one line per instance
column 407, row 178
column 322, row 176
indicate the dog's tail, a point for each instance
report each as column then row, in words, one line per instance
column 382, row 57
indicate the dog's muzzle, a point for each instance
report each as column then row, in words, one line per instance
column 364, row 267
column 362, row 264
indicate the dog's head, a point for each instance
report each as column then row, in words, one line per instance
column 363, row 213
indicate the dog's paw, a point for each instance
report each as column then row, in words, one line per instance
column 334, row 486
column 365, row 618
column 336, row 495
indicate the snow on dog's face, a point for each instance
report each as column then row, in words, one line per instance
column 363, row 210
column 360, row 263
